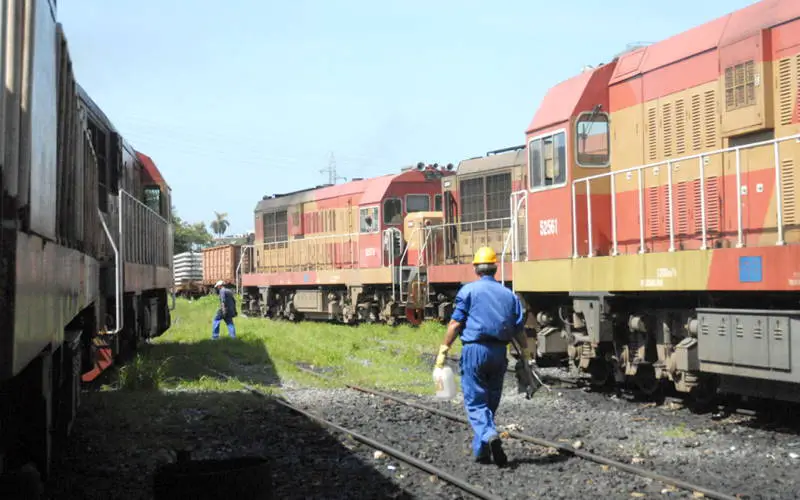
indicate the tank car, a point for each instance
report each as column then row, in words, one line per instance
column 336, row 252
column 85, row 242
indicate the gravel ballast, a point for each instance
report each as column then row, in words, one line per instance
column 736, row 455
column 121, row 437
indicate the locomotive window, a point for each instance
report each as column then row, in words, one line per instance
column 740, row 86
column 393, row 211
column 548, row 161
column 437, row 203
column 369, row 220
column 498, row 192
column 152, row 198
column 593, row 141
column 471, row 195
column 418, row 203
column 275, row 226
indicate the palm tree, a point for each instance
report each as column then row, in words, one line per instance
column 220, row 224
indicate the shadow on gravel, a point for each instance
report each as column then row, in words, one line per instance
column 542, row 460
column 122, row 436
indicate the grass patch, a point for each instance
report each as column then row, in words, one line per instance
column 680, row 432
column 142, row 373
column 266, row 352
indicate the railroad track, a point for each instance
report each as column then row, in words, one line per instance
column 561, row 448
column 452, row 479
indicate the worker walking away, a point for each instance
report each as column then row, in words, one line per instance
column 226, row 311
column 487, row 315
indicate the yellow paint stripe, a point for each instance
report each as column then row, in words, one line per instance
column 685, row 270
column 354, row 276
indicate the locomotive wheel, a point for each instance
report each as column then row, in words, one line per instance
column 645, row 379
column 600, row 371
column 703, row 395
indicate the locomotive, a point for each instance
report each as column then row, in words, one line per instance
column 649, row 223
column 85, row 243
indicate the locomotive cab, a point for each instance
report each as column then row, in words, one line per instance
column 568, row 140
column 422, row 234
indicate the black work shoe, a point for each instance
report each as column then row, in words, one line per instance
column 500, row 458
column 484, row 459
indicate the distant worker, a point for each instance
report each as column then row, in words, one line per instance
column 226, row 311
column 487, row 316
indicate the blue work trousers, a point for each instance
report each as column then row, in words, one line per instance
column 218, row 318
column 483, row 367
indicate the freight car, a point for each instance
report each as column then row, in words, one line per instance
column 85, row 241
column 333, row 252
column 222, row 263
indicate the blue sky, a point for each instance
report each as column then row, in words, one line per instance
column 250, row 99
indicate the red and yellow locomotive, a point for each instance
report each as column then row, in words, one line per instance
column 649, row 223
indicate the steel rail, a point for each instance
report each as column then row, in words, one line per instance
column 679, row 483
column 389, row 450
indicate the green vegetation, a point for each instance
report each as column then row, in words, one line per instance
column 267, row 352
column 220, row 223
column 189, row 236
column 679, row 432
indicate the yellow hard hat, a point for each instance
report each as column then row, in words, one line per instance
column 485, row 255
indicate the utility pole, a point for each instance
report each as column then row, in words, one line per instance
column 331, row 170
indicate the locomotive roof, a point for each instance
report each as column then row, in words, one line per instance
column 367, row 191
column 492, row 162
column 720, row 32
column 562, row 99
column 95, row 110
column 151, row 168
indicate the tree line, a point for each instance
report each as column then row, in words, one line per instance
column 194, row 236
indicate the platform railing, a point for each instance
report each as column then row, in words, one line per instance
column 701, row 164
column 474, row 229
column 144, row 234
column 312, row 253
column 389, row 236
column 518, row 199
column 240, row 269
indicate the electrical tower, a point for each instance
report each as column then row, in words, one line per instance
column 331, row 170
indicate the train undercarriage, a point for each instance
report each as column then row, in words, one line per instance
column 39, row 405
column 698, row 344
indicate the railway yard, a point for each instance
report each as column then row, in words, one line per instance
column 199, row 409
column 641, row 246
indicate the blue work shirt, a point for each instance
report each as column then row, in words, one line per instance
column 488, row 310
column 227, row 301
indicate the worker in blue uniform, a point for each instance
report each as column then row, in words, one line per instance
column 226, row 311
column 487, row 315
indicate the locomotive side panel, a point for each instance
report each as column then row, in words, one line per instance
column 691, row 221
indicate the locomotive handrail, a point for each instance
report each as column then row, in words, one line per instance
column 669, row 163
column 118, row 271
column 471, row 229
column 391, row 230
column 515, row 208
column 161, row 258
column 403, row 257
column 237, row 273
column 134, row 199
